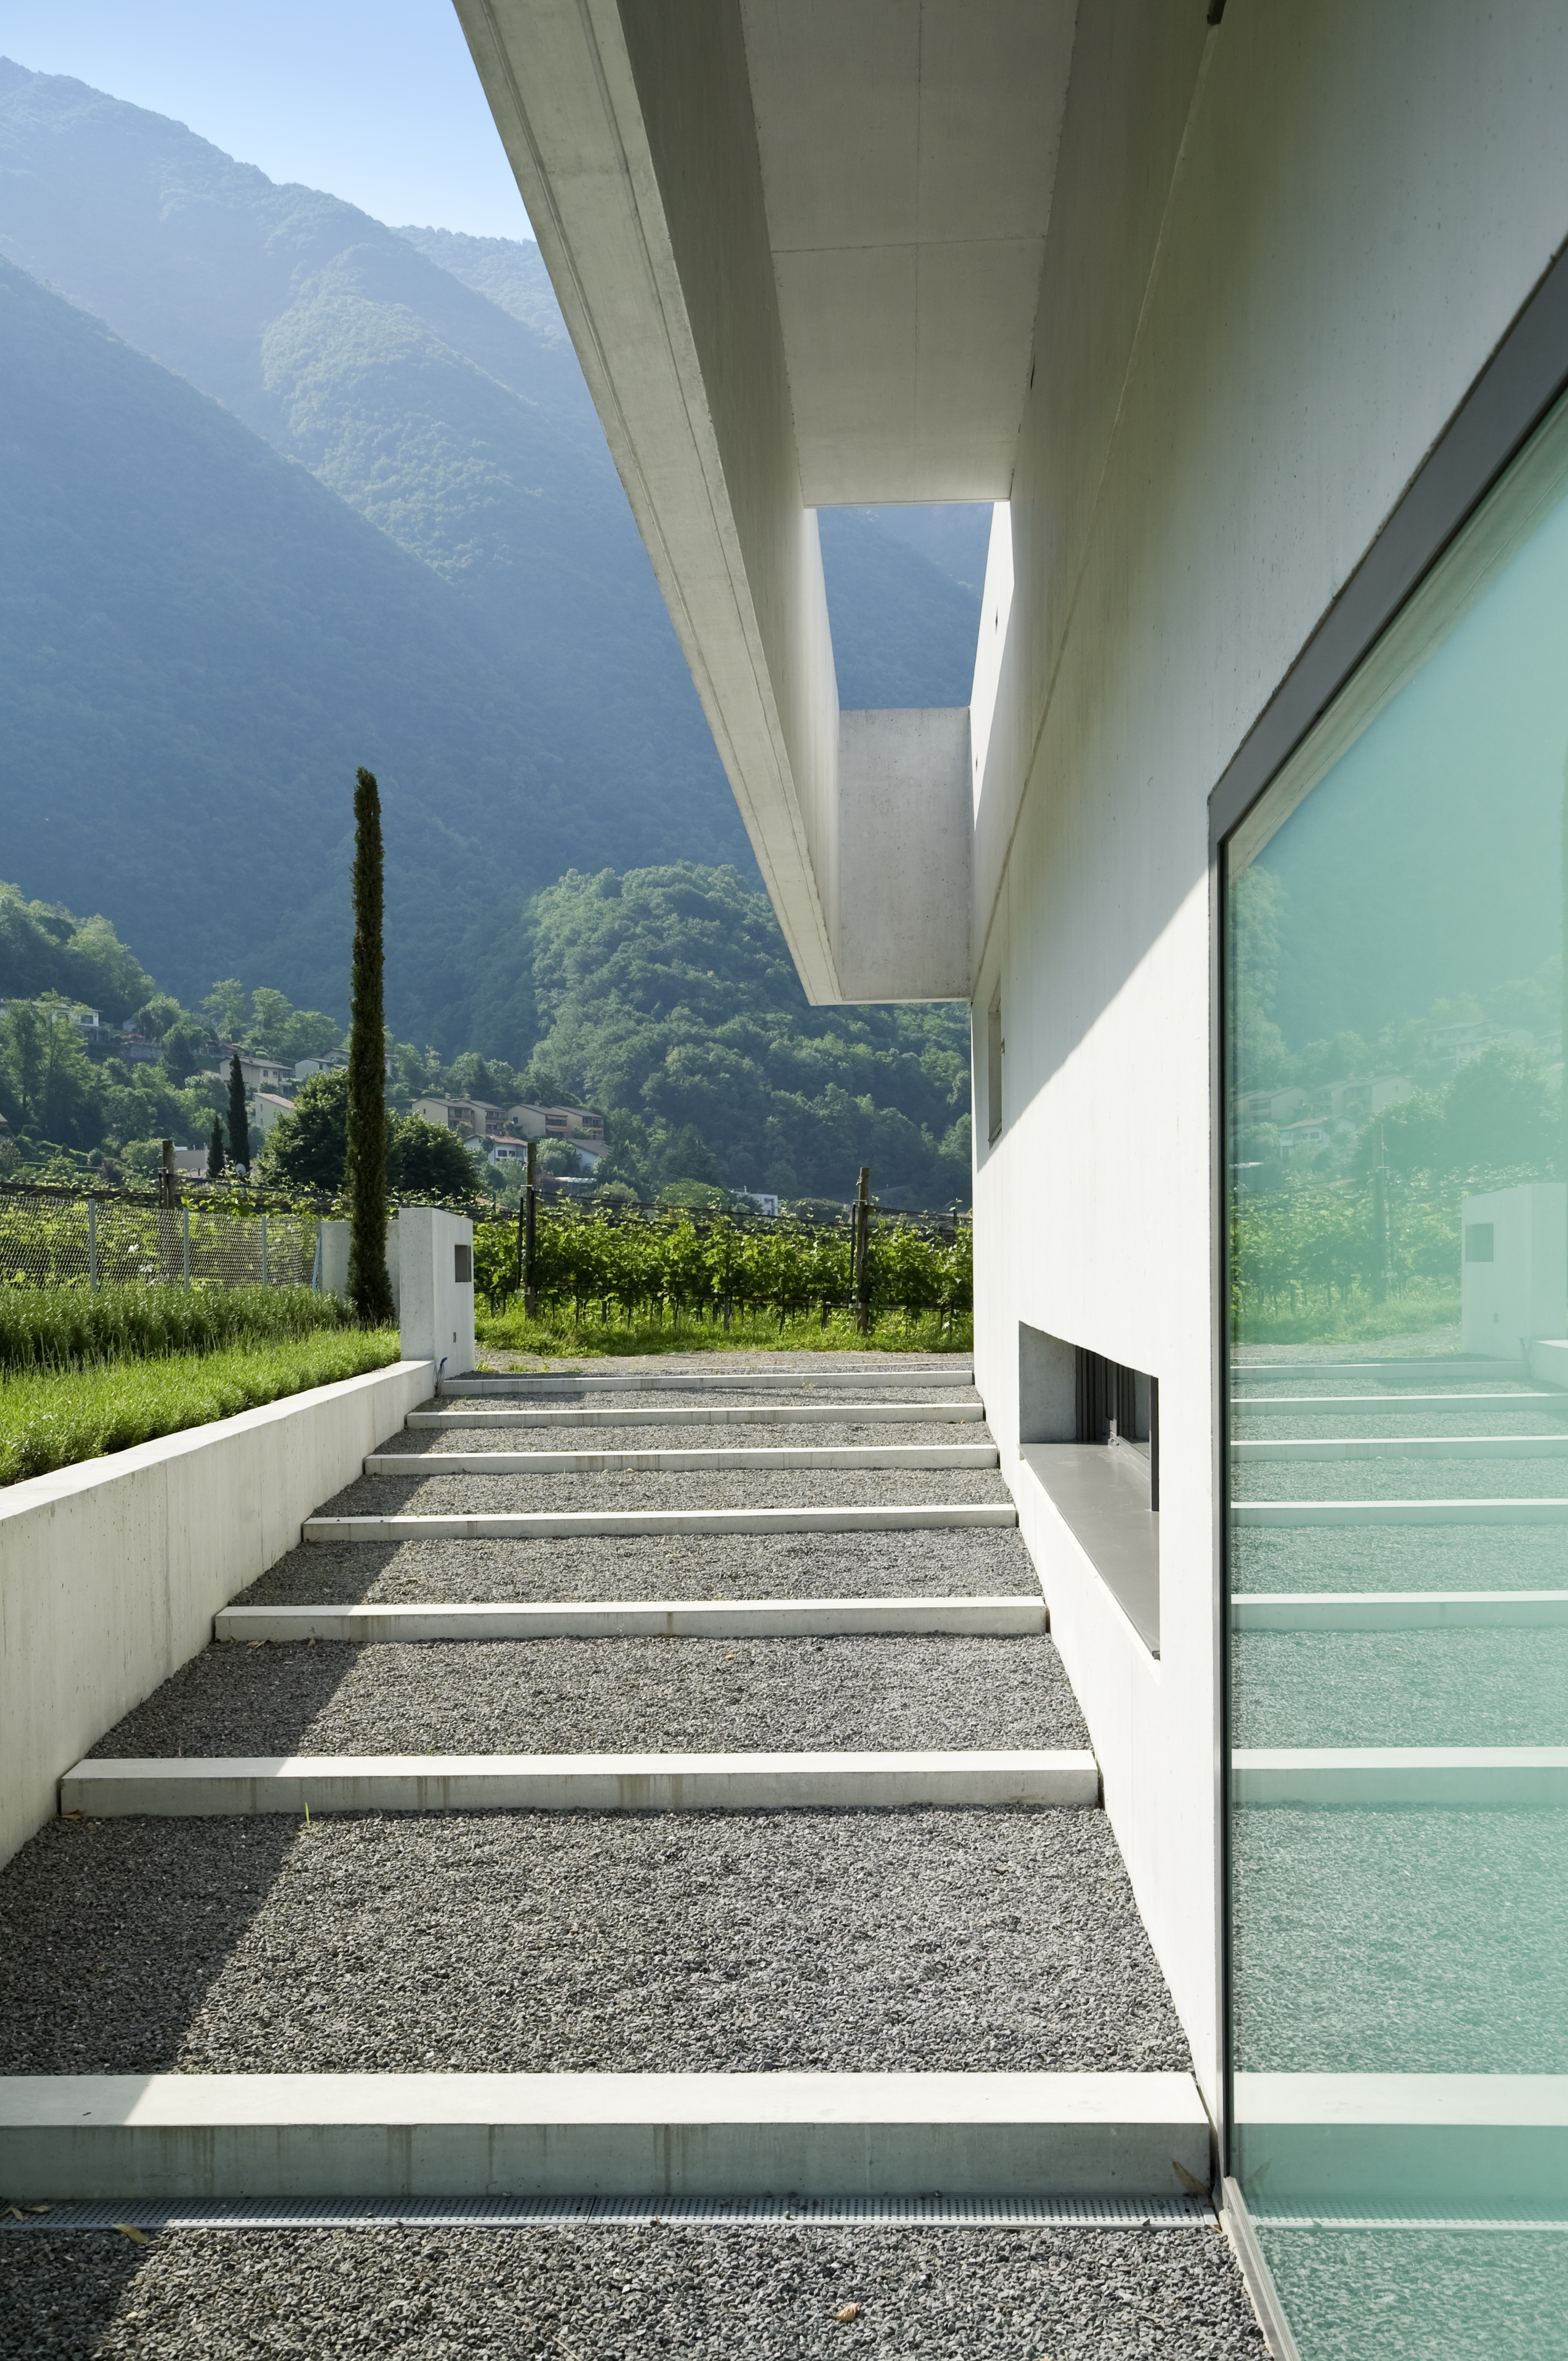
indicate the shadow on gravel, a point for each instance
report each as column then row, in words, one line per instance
column 115, row 1937
column 61, row 2294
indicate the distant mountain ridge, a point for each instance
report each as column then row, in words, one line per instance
column 199, row 643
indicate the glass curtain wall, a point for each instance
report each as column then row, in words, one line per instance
column 1398, row 1440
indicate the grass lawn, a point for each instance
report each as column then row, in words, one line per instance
column 555, row 1333
column 1359, row 1322
column 49, row 1419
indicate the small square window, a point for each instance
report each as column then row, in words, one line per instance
column 463, row 1266
column 1478, row 1242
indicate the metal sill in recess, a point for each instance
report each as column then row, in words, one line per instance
column 1101, row 1490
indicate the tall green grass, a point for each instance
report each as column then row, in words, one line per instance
column 52, row 1419
column 73, row 1328
column 555, row 1332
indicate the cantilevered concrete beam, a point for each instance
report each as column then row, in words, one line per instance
column 763, row 224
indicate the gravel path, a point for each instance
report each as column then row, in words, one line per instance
column 485, row 1435
column 1400, row 1558
column 619, row 1696
column 750, row 2294
column 824, row 1397
column 1411, row 1942
column 1401, row 1688
column 1396, row 1479
column 740, row 1488
column 960, row 1562
column 976, row 1941
column 1422, row 2295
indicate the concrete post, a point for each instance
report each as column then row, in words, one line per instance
column 435, row 1267
column 1514, row 1271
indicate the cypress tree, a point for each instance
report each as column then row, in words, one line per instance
column 365, row 1176
column 216, row 1159
column 239, row 1127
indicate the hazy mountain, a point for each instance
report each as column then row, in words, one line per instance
column 200, row 643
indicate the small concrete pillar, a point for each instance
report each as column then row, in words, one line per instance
column 1514, row 1271
column 334, row 1259
column 436, row 1260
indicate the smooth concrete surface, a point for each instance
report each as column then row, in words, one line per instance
column 1397, row 1405
column 523, row 1385
column 1515, row 1287
column 1407, row 1446
column 1549, row 1361
column 111, row 1571
column 1398, row 1513
column 1100, row 1494
column 1398, row 1611
column 901, row 919
column 729, row 1618
column 826, row 1413
column 435, row 1303
column 541, row 1525
column 1382, row 1373
column 1442, row 2141
column 209, row 2135
column 1400, row 1774
column 679, row 1463
column 189, row 1787
column 333, row 1280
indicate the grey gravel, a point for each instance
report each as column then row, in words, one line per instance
column 824, row 1397
column 1401, row 1688
column 962, row 1561
column 745, row 2294
column 614, row 1695
column 488, row 1435
column 1415, row 1942
column 740, row 1488
column 1422, row 2295
column 1400, row 1558
column 1397, row 1478
column 969, row 1940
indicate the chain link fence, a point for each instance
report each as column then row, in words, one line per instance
column 55, row 1239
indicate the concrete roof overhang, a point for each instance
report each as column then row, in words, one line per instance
column 798, row 247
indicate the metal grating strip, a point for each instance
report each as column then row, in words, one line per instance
column 612, row 2213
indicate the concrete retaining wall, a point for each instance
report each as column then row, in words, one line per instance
column 111, row 1572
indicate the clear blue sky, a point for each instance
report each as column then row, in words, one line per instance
column 375, row 100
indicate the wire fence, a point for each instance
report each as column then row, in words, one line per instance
column 54, row 1239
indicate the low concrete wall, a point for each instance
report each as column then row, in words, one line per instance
column 111, row 1572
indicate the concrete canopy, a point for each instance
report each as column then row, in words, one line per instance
column 798, row 250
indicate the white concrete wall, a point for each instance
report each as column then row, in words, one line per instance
column 1279, row 252
column 1518, row 1294
column 436, row 1307
column 901, row 916
column 111, row 1572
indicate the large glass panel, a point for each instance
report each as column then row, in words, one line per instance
column 1397, row 1533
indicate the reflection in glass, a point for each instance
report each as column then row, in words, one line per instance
column 1397, row 1536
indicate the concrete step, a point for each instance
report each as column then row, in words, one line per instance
column 715, row 1618
column 197, row 1786
column 1372, row 1373
column 1392, row 2147
column 520, row 1385
column 824, row 1413
column 1405, row 1446
column 140, row 2137
column 1301, row 1513
column 1400, row 1405
column 682, row 1463
column 1398, row 1611
column 1450, row 1775
column 561, row 1524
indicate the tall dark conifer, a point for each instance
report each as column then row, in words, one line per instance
column 365, row 1177
column 239, row 1127
column 216, row 1159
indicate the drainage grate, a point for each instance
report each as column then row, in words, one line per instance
column 613, row 2213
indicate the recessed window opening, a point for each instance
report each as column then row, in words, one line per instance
column 1088, row 1433
column 995, row 1045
